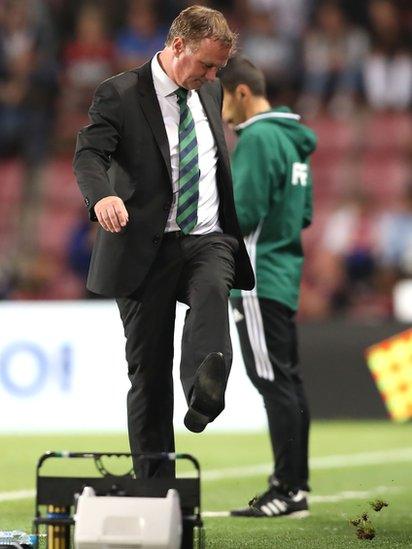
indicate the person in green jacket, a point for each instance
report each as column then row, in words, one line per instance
column 273, row 197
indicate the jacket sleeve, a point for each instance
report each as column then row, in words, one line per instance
column 308, row 207
column 95, row 145
column 253, row 175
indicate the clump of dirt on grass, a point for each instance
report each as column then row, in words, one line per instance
column 364, row 527
column 366, row 532
column 363, row 524
column 378, row 504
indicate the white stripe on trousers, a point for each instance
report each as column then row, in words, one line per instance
column 253, row 317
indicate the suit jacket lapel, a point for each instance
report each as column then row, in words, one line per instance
column 152, row 112
column 215, row 121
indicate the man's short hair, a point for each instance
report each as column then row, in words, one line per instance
column 239, row 70
column 198, row 22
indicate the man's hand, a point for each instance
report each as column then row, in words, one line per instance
column 111, row 213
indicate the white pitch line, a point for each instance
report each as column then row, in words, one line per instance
column 18, row 494
column 355, row 494
column 363, row 458
column 324, row 462
column 331, row 498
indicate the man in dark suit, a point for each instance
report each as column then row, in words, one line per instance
column 154, row 172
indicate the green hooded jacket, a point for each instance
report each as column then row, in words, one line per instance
column 273, row 197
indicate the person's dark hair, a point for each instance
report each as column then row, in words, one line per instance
column 198, row 22
column 239, row 70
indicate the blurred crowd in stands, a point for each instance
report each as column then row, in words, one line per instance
column 345, row 66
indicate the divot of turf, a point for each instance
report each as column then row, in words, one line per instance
column 364, row 527
column 378, row 504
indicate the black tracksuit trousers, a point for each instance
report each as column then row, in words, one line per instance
column 267, row 333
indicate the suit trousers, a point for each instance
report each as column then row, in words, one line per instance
column 197, row 271
column 268, row 339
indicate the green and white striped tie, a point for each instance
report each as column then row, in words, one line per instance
column 189, row 174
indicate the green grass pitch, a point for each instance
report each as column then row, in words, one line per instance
column 353, row 463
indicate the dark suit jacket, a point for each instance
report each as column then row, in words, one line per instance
column 125, row 152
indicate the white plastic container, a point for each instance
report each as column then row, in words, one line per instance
column 104, row 522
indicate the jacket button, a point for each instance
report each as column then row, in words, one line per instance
column 156, row 239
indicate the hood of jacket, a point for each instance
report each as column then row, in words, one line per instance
column 289, row 122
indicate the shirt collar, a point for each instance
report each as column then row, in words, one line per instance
column 164, row 85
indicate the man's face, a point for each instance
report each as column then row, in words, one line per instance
column 233, row 111
column 192, row 67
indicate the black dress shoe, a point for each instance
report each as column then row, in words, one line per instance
column 208, row 395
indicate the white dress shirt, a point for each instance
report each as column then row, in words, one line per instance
column 208, row 204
